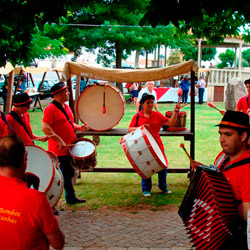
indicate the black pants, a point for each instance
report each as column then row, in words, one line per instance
column 68, row 174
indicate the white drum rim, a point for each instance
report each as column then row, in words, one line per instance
column 84, row 92
column 53, row 154
column 53, row 169
column 138, row 171
column 59, row 197
column 83, row 157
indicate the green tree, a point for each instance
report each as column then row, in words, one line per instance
column 43, row 46
column 19, row 20
column 227, row 58
column 190, row 52
column 246, row 56
column 174, row 57
column 212, row 20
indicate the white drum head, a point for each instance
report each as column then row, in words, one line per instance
column 90, row 107
column 40, row 163
column 155, row 147
column 82, row 149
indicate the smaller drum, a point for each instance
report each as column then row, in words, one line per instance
column 180, row 123
column 42, row 164
column 143, row 152
column 83, row 154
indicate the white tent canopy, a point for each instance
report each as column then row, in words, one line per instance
column 127, row 75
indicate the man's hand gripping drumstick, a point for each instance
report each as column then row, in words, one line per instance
column 211, row 105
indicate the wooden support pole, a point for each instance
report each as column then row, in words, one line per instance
column 192, row 120
column 10, row 92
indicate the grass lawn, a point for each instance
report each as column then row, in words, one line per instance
column 123, row 190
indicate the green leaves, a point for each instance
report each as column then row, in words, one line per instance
column 212, row 20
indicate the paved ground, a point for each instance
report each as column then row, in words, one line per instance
column 119, row 230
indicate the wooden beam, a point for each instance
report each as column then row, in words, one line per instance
column 9, row 92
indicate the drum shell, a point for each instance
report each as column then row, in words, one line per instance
column 89, row 106
column 51, row 178
column 84, row 163
column 143, row 152
column 180, row 123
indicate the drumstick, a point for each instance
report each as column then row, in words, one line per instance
column 188, row 155
column 103, row 106
column 37, row 139
column 183, row 105
column 211, row 105
column 70, row 145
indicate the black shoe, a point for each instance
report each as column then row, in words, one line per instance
column 55, row 211
column 76, row 200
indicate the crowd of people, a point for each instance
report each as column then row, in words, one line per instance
column 59, row 128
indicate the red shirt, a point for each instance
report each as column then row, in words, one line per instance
column 61, row 126
column 25, row 216
column 155, row 121
column 19, row 129
column 238, row 177
column 3, row 128
column 242, row 104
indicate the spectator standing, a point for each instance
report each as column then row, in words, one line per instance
column 149, row 90
column 135, row 90
column 185, row 83
column 201, row 89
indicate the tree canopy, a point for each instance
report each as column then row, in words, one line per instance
column 227, row 59
column 213, row 20
column 19, row 20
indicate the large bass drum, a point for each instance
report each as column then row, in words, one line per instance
column 44, row 165
column 101, row 106
column 143, row 152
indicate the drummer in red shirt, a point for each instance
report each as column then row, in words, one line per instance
column 243, row 104
column 58, row 124
column 27, row 220
column 153, row 120
column 19, row 120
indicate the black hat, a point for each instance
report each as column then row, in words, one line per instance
column 235, row 119
column 145, row 97
column 21, row 99
column 247, row 81
column 58, row 87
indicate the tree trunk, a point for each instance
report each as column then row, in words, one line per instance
column 159, row 50
column 136, row 59
column 146, row 65
column 118, row 55
column 118, row 62
column 166, row 53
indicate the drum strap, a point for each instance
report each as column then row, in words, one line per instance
column 137, row 119
column 59, row 106
column 4, row 119
column 236, row 164
column 19, row 120
column 247, row 101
